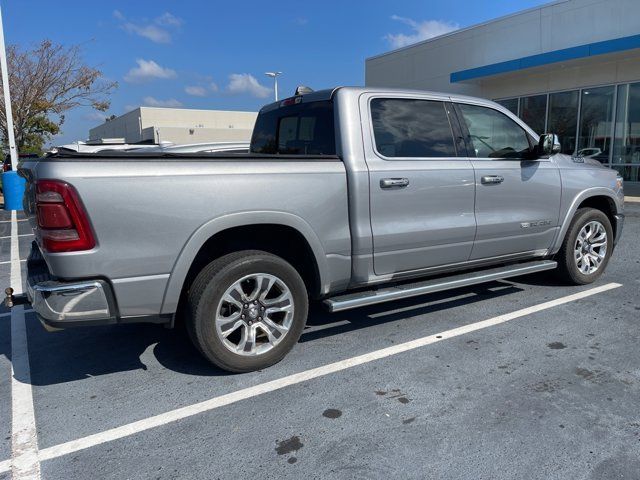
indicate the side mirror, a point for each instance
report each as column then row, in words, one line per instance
column 549, row 144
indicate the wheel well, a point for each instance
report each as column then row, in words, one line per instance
column 281, row 240
column 605, row 204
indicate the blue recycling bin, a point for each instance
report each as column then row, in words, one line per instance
column 13, row 189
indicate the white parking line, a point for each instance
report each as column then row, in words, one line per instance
column 21, row 235
column 246, row 393
column 9, row 221
column 9, row 261
column 24, row 439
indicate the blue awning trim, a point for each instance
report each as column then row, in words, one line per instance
column 573, row 53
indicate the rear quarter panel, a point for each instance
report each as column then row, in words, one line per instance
column 150, row 217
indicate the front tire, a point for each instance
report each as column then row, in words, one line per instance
column 587, row 247
column 246, row 310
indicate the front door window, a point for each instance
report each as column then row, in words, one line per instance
column 494, row 135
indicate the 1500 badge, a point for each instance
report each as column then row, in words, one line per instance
column 539, row 223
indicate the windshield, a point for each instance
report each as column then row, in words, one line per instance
column 300, row 129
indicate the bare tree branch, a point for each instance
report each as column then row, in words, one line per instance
column 45, row 83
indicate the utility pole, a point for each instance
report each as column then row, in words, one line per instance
column 7, row 99
column 275, row 76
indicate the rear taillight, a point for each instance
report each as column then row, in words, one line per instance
column 63, row 225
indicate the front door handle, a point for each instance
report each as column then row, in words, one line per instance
column 394, row 182
column 492, row 179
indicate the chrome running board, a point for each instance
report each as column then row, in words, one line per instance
column 347, row 301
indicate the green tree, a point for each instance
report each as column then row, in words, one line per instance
column 45, row 83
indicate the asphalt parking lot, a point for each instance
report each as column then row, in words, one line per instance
column 549, row 392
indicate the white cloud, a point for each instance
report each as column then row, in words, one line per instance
column 421, row 31
column 154, row 102
column 156, row 30
column 151, row 32
column 169, row 20
column 196, row 91
column 201, row 90
column 148, row 70
column 245, row 83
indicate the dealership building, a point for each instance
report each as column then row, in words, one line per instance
column 571, row 67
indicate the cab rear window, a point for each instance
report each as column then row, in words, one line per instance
column 299, row 129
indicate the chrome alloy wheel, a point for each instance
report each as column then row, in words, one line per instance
column 591, row 247
column 254, row 314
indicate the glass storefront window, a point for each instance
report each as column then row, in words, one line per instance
column 533, row 111
column 584, row 120
column 626, row 146
column 630, row 173
column 510, row 104
column 596, row 115
column 563, row 118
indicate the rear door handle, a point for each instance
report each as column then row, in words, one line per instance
column 492, row 179
column 394, row 182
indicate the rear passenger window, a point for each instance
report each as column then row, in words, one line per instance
column 493, row 134
column 405, row 128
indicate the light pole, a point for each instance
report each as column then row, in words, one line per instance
column 7, row 99
column 275, row 76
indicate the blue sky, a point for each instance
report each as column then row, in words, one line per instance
column 213, row 54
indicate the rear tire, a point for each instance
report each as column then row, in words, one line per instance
column 246, row 310
column 587, row 247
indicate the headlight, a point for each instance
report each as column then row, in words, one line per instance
column 619, row 182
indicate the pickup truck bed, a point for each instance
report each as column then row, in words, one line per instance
column 152, row 215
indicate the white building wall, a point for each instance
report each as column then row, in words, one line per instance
column 178, row 125
column 556, row 26
column 125, row 126
column 181, row 135
column 594, row 71
column 181, row 117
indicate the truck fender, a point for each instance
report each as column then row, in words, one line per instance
column 581, row 197
column 212, row 227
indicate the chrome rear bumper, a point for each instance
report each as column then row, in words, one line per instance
column 61, row 304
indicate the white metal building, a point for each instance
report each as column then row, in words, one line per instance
column 571, row 67
column 177, row 125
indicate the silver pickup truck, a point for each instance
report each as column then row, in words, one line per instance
column 350, row 196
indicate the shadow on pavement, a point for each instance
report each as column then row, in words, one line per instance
column 398, row 310
column 5, row 337
column 79, row 353
column 548, row 278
